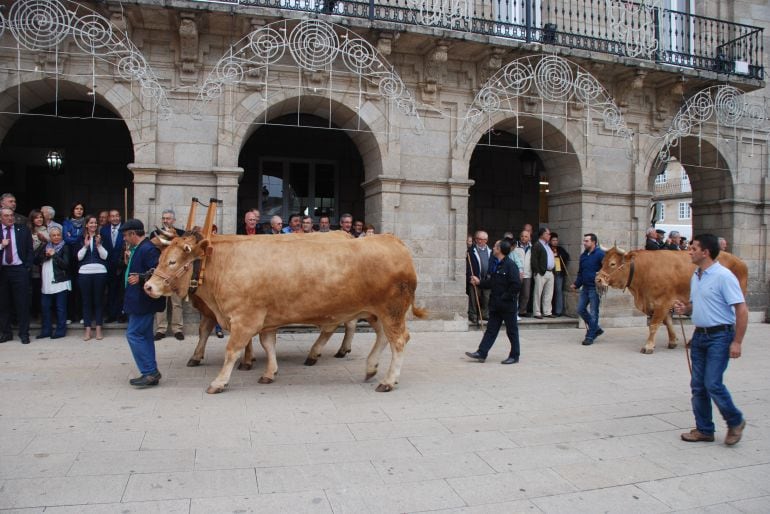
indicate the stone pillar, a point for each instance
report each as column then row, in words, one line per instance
column 227, row 191
column 145, row 183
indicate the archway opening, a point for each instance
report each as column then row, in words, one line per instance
column 94, row 146
column 699, row 195
column 510, row 185
column 300, row 163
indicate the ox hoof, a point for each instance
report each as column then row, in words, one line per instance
column 193, row 362
column 244, row 367
column 215, row 389
column 310, row 362
column 384, row 388
column 673, row 345
column 265, row 380
column 369, row 375
column 646, row 351
column 341, row 354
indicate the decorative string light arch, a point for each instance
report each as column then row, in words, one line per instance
column 67, row 30
column 720, row 114
column 547, row 88
column 323, row 59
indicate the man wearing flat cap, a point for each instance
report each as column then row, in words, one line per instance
column 139, row 307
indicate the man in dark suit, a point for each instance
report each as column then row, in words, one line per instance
column 504, row 283
column 112, row 241
column 16, row 256
column 651, row 243
column 139, row 307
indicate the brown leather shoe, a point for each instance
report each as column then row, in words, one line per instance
column 734, row 434
column 696, row 436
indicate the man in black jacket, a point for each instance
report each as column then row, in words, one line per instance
column 16, row 256
column 505, row 284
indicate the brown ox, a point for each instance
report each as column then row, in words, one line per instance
column 312, row 280
column 208, row 319
column 656, row 278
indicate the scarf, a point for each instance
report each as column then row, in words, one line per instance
column 78, row 222
column 56, row 247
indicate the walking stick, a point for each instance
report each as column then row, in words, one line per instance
column 475, row 293
column 686, row 346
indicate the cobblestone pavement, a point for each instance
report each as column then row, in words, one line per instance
column 568, row 429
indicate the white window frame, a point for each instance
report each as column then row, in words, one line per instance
column 685, row 183
column 684, row 211
column 662, row 212
column 661, row 178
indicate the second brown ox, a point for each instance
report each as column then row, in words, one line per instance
column 307, row 280
column 656, row 279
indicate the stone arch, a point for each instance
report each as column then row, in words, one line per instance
column 559, row 155
column 21, row 96
column 367, row 128
column 710, row 170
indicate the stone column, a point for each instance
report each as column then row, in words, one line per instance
column 227, row 192
column 145, row 189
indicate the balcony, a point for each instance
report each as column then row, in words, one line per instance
column 615, row 27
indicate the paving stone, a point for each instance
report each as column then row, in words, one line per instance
column 397, row 429
column 190, row 484
column 396, row 471
column 145, row 461
column 85, row 441
column 53, row 491
column 319, row 476
column 413, row 497
column 299, row 433
column 609, row 473
column 623, row 500
column 533, row 457
column 150, row 507
column 360, row 450
column 505, row 487
column 36, row 465
column 256, row 457
column 701, row 490
column 514, row 507
column 305, row 502
column 759, row 505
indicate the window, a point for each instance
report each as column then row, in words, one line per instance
column 662, row 178
column 686, row 188
column 298, row 186
column 684, row 210
column 662, row 211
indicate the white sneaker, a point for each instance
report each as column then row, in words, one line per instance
column 518, row 318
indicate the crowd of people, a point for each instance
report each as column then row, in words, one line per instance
column 75, row 271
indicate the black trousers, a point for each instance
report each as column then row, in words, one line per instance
column 115, row 292
column 496, row 319
column 14, row 290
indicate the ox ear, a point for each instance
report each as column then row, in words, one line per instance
column 204, row 247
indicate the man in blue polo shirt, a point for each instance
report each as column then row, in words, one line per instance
column 590, row 264
column 720, row 316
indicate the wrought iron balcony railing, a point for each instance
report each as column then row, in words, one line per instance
column 635, row 29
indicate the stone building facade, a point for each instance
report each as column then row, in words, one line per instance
column 426, row 124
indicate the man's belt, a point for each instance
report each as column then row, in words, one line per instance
column 714, row 330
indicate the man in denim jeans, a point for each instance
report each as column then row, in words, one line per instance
column 590, row 264
column 720, row 316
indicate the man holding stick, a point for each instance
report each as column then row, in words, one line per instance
column 720, row 316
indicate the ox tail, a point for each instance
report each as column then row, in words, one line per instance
column 419, row 312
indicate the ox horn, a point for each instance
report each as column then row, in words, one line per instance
column 163, row 236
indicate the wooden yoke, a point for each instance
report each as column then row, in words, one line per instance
column 191, row 215
column 208, row 226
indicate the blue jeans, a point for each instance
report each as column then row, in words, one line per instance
column 710, row 356
column 141, row 340
column 589, row 297
column 59, row 300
